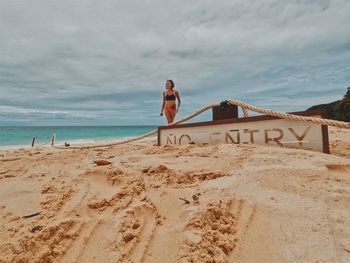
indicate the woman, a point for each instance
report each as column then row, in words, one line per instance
column 169, row 101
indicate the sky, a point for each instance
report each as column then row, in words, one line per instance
column 87, row 62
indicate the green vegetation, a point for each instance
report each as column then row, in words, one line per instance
column 336, row 110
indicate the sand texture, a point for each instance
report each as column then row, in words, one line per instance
column 192, row 203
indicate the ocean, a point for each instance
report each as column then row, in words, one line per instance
column 21, row 136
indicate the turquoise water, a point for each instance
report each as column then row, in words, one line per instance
column 15, row 136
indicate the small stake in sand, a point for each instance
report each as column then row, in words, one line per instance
column 31, row 215
column 102, row 162
column 186, row 201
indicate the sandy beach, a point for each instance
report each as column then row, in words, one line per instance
column 191, row 203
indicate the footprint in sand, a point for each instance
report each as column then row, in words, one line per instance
column 47, row 245
column 137, row 233
column 215, row 233
column 340, row 168
column 338, row 210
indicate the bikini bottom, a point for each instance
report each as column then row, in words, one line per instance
column 171, row 110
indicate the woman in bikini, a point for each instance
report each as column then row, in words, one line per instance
column 169, row 101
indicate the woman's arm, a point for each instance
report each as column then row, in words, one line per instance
column 161, row 112
column 178, row 100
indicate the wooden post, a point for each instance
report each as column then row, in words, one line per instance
column 53, row 139
column 33, row 141
column 225, row 111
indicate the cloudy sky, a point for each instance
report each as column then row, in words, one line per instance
column 105, row 62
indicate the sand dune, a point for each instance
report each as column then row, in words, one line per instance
column 192, row 203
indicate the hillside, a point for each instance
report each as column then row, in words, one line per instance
column 336, row 110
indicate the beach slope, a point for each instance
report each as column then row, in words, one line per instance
column 191, row 203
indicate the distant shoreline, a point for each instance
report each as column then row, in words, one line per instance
column 22, row 136
column 75, row 142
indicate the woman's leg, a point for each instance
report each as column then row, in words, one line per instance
column 172, row 115
column 168, row 116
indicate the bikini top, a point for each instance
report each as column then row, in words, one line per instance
column 170, row 97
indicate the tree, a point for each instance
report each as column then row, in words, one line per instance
column 342, row 108
column 337, row 110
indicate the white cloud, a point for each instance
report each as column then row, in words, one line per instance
column 19, row 111
column 111, row 58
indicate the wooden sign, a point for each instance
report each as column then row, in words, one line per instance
column 265, row 130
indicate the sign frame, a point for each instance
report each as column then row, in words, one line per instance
column 324, row 128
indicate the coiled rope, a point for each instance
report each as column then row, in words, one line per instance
column 245, row 107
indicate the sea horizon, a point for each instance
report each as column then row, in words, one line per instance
column 20, row 136
column 131, row 125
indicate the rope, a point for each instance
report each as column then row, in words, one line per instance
column 243, row 105
column 245, row 112
column 142, row 136
column 283, row 115
column 44, row 143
